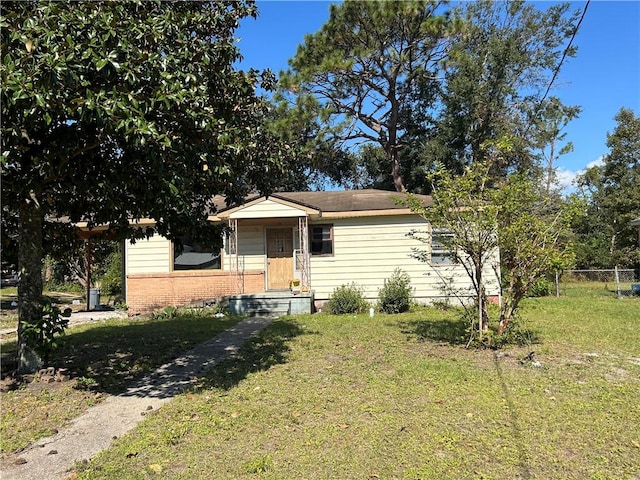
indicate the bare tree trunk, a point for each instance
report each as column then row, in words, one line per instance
column 508, row 309
column 550, row 161
column 505, row 318
column 483, row 314
column 480, row 319
column 396, row 175
column 30, row 257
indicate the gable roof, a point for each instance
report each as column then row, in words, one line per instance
column 349, row 200
column 338, row 203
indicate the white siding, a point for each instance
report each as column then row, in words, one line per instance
column 268, row 209
column 149, row 256
column 251, row 251
column 367, row 251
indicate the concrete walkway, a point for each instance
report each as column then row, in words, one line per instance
column 53, row 457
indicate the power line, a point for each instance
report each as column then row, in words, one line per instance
column 564, row 54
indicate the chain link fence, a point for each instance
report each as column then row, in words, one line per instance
column 620, row 282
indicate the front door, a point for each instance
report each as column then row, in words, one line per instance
column 279, row 258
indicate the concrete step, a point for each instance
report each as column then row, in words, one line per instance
column 270, row 304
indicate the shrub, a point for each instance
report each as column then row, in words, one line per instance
column 68, row 287
column 166, row 313
column 43, row 335
column 347, row 299
column 518, row 334
column 541, row 288
column 111, row 281
column 395, row 295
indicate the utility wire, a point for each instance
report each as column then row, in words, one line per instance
column 564, row 54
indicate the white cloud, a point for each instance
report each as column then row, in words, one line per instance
column 565, row 179
column 595, row 163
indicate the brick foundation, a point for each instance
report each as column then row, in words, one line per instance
column 148, row 292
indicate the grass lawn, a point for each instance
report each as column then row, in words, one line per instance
column 353, row 397
column 9, row 309
column 103, row 358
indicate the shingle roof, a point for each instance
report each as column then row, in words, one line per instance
column 349, row 200
column 345, row 200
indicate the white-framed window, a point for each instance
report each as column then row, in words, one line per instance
column 321, row 239
column 442, row 251
column 194, row 257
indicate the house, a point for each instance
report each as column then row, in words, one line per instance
column 311, row 241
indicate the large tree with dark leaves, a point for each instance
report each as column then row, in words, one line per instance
column 495, row 107
column 120, row 110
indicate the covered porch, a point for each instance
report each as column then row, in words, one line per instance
column 272, row 236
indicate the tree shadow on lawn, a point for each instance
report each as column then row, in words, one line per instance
column 258, row 354
column 108, row 357
column 450, row 330
column 455, row 330
column 519, row 436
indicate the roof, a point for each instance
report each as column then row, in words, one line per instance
column 636, row 222
column 327, row 204
column 344, row 200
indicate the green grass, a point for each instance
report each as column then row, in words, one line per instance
column 589, row 317
column 400, row 397
column 9, row 311
column 103, row 358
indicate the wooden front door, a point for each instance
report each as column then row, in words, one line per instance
column 279, row 258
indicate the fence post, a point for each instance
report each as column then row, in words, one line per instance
column 618, row 292
column 557, row 285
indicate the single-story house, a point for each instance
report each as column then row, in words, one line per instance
column 311, row 241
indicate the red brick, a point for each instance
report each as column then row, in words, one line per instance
column 148, row 292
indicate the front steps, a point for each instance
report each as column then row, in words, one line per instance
column 271, row 304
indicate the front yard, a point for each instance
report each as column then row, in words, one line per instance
column 354, row 397
column 397, row 397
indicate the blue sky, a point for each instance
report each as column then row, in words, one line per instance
column 602, row 78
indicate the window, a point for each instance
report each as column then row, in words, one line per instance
column 194, row 257
column 442, row 252
column 321, row 239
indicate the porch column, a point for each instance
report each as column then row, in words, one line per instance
column 303, row 233
column 234, row 267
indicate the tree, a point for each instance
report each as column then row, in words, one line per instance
column 318, row 158
column 427, row 86
column 463, row 206
column 362, row 68
column 551, row 123
column 511, row 216
column 120, row 110
column 497, row 75
column 534, row 238
column 605, row 235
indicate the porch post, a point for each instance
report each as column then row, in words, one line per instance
column 87, row 255
column 303, row 232
column 236, row 287
column 236, row 278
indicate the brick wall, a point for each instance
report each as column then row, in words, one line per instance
column 148, row 292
